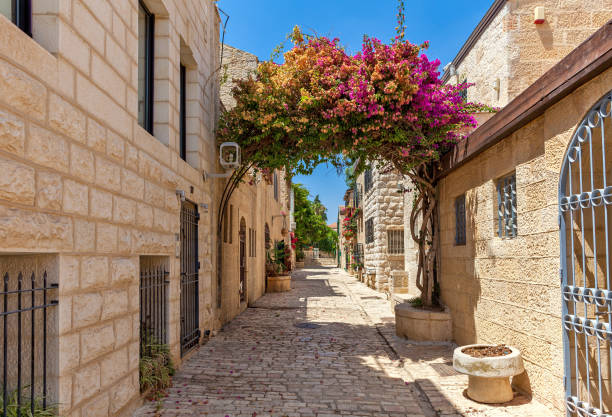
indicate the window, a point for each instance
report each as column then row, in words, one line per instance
column 146, row 36
column 395, row 242
column 19, row 12
column 506, row 207
column 275, row 186
column 183, row 114
column 464, row 93
column 367, row 180
column 460, row 220
column 358, row 253
column 369, row 231
column 267, row 237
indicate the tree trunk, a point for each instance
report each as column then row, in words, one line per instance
column 423, row 228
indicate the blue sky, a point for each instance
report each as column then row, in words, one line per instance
column 259, row 26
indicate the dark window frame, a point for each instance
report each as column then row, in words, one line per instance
column 460, row 221
column 183, row 113
column 369, row 230
column 367, row 181
column 22, row 15
column 149, row 67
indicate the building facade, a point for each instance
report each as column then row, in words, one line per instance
column 507, row 51
column 500, row 272
column 382, row 224
column 107, row 206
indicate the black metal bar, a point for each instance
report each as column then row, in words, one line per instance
column 45, row 341
column 32, row 348
column 5, row 349
column 19, row 284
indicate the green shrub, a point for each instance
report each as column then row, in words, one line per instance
column 156, row 369
column 13, row 410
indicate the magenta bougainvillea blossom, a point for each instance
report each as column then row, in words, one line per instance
column 385, row 103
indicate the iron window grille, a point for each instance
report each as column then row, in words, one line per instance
column 395, row 242
column 190, row 267
column 358, row 253
column 146, row 48
column 25, row 328
column 153, row 307
column 507, row 226
column 460, row 238
column 357, row 195
column 20, row 13
column 464, row 94
column 275, row 186
column 369, row 231
column 183, row 113
column 367, row 180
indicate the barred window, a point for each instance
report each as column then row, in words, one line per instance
column 395, row 242
column 460, row 220
column 367, row 180
column 369, row 231
column 507, row 226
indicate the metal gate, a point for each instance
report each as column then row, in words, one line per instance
column 585, row 198
column 242, row 260
column 190, row 266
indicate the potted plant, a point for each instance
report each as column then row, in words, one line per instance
column 279, row 279
column 489, row 368
column 299, row 258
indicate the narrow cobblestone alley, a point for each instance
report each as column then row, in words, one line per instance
column 325, row 348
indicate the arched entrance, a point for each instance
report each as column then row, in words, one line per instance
column 243, row 260
column 585, row 220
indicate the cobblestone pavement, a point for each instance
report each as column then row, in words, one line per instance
column 345, row 361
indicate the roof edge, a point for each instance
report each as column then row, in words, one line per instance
column 475, row 35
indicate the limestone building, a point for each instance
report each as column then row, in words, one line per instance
column 502, row 226
column 257, row 215
column 381, row 224
column 508, row 51
column 107, row 117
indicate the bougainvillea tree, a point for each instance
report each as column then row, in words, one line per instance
column 384, row 106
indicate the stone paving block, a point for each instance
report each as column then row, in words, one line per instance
column 350, row 364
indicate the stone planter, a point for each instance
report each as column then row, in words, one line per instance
column 371, row 278
column 299, row 264
column 422, row 325
column 279, row 284
column 489, row 377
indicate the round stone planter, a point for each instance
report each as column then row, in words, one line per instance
column 279, row 284
column 489, row 377
column 422, row 325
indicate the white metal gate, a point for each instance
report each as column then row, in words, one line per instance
column 585, row 220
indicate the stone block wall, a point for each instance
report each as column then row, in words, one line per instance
column 252, row 201
column 507, row 290
column 82, row 180
column 513, row 52
column 384, row 204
